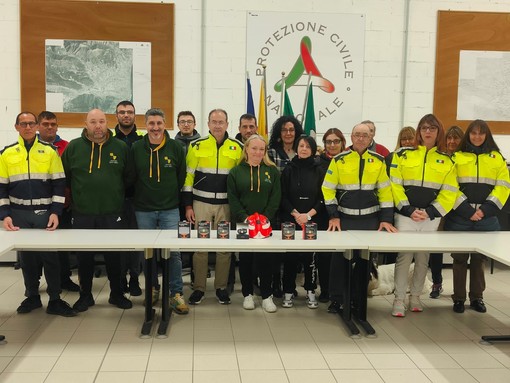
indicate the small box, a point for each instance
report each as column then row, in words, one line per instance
column 204, row 229
column 242, row 231
column 288, row 231
column 310, row 230
column 223, row 231
column 184, row 229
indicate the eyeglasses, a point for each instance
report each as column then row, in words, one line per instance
column 331, row 142
column 186, row 122
column 128, row 112
column 48, row 124
column 361, row 136
column 431, row 129
column 288, row 130
column 24, row 124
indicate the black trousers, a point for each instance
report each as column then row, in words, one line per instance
column 252, row 265
column 339, row 265
column 290, row 264
column 31, row 261
column 86, row 260
column 131, row 260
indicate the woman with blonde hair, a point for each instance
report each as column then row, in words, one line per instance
column 253, row 186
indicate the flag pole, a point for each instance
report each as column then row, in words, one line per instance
column 306, row 97
column 265, row 97
column 282, row 98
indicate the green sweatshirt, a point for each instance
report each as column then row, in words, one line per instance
column 96, row 174
column 253, row 189
column 160, row 172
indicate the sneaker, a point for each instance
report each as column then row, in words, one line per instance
column 120, row 301
column 324, row 297
column 335, row 307
column 288, row 300
column 268, row 305
column 222, row 296
column 178, row 305
column 84, row 302
column 69, row 285
column 29, row 304
column 415, row 304
column 311, row 300
column 399, row 308
column 134, row 287
column 478, row 305
column 248, row 303
column 458, row 306
column 59, row 307
column 437, row 289
column 196, row 297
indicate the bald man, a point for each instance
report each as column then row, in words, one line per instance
column 96, row 167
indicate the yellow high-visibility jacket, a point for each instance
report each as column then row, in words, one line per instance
column 422, row 179
column 484, row 183
column 31, row 180
column 207, row 166
column 358, row 186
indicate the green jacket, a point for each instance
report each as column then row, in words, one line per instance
column 253, row 189
column 159, row 174
column 96, row 174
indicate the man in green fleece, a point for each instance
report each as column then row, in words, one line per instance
column 96, row 166
column 160, row 170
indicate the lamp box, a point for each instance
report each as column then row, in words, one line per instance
column 288, row 231
column 223, row 231
column 310, row 230
column 184, row 229
column 204, row 229
column 242, row 231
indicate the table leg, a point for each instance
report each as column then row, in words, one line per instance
column 361, row 304
column 346, row 314
column 149, row 311
column 165, row 286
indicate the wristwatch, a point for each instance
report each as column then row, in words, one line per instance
column 308, row 217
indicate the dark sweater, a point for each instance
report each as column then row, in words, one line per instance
column 253, row 189
column 158, row 184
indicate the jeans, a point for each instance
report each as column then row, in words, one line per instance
column 164, row 220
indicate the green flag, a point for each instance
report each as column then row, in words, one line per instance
column 287, row 107
column 309, row 125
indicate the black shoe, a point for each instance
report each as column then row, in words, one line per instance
column 59, row 307
column 222, row 296
column 458, row 306
column 134, row 287
column 478, row 305
column 335, row 307
column 84, row 302
column 124, row 285
column 120, row 301
column 196, row 297
column 324, row 297
column 69, row 285
column 29, row 304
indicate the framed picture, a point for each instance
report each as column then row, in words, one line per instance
column 79, row 55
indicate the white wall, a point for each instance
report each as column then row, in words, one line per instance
column 211, row 73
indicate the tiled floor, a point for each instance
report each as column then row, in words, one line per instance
column 225, row 344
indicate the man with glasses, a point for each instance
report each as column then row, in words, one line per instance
column 32, row 187
column 357, row 195
column 187, row 132
column 247, row 127
column 126, row 131
column 374, row 146
column 208, row 162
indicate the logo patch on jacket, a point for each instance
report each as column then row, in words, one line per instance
column 232, row 147
column 440, row 161
column 268, row 177
column 492, row 155
column 113, row 158
column 168, row 162
column 370, row 160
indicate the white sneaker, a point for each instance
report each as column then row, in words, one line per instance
column 415, row 304
column 249, row 303
column 287, row 300
column 399, row 308
column 311, row 300
column 268, row 304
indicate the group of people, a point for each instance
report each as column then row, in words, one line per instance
column 126, row 179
